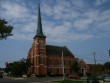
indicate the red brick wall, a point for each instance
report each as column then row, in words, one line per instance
column 44, row 69
column 33, row 55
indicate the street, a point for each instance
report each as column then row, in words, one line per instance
column 28, row 80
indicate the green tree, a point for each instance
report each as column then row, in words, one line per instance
column 18, row 68
column 25, row 64
column 5, row 30
column 8, row 67
column 107, row 66
column 75, row 67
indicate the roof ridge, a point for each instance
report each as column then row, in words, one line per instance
column 69, row 50
column 55, row 46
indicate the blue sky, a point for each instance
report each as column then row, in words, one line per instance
column 81, row 25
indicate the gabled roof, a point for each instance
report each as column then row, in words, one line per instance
column 57, row 50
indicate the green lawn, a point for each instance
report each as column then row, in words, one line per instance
column 69, row 81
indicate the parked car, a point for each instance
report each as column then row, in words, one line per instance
column 92, row 79
column 72, row 76
column 24, row 76
column 107, row 79
column 102, row 77
column 33, row 75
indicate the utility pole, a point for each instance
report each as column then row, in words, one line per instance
column 95, row 68
column 94, row 58
column 63, row 66
column 109, row 52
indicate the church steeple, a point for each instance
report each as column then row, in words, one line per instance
column 39, row 32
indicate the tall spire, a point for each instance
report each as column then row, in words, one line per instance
column 39, row 32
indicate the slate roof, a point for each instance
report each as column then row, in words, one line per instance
column 57, row 50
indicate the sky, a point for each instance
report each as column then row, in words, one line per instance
column 81, row 25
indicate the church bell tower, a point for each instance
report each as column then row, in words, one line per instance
column 38, row 50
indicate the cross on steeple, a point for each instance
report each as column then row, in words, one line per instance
column 39, row 32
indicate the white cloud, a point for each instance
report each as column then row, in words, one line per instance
column 58, row 30
column 58, row 9
column 64, row 33
column 91, row 14
column 104, row 16
column 64, row 3
column 29, row 28
column 21, row 17
column 13, row 10
column 57, row 33
column 21, row 36
column 99, row 2
column 86, row 19
column 87, row 22
column 84, row 36
column 79, row 3
column 103, row 23
column 65, row 23
column 62, row 9
column 47, row 9
column 82, row 24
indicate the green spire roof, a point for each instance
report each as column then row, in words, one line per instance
column 39, row 32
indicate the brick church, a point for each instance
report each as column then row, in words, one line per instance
column 48, row 59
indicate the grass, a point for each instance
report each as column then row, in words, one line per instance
column 69, row 81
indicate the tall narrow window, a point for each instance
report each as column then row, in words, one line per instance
column 41, row 44
column 58, row 71
column 69, row 62
column 50, row 71
column 41, row 59
column 50, row 61
column 64, row 61
column 57, row 61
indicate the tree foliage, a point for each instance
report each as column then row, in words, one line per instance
column 107, row 66
column 18, row 68
column 5, row 30
column 75, row 67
